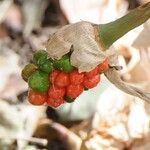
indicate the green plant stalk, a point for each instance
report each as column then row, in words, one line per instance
column 111, row 32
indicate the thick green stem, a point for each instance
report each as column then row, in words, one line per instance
column 112, row 31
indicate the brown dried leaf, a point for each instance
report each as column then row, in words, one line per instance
column 101, row 140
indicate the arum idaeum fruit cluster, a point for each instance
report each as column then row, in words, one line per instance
column 75, row 57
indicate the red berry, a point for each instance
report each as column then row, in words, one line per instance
column 56, row 92
column 92, row 73
column 54, row 102
column 62, row 80
column 53, row 76
column 73, row 91
column 37, row 98
column 103, row 66
column 92, row 82
column 76, row 77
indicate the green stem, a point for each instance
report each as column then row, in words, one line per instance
column 112, row 31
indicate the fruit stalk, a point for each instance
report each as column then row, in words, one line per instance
column 112, row 31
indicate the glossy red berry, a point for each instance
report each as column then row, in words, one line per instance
column 92, row 82
column 103, row 66
column 92, row 73
column 76, row 77
column 37, row 98
column 62, row 79
column 53, row 76
column 73, row 91
column 56, row 92
column 54, row 102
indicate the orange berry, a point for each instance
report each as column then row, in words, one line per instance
column 62, row 79
column 73, row 91
column 92, row 82
column 56, row 92
column 76, row 77
column 37, row 98
column 54, row 102
column 103, row 66
column 92, row 73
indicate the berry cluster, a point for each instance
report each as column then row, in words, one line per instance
column 57, row 81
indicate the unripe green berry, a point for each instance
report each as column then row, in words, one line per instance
column 28, row 70
column 64, row 64
column 47, row 66
column 39, row 82
column 39, row 57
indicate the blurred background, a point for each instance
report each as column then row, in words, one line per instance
column 103, row 118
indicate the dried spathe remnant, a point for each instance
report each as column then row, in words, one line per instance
column 87, row 52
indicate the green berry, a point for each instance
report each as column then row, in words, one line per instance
column 64, row 64
column 47, row 66
column 28, row 70
column 39, row 82
column 39, row 57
